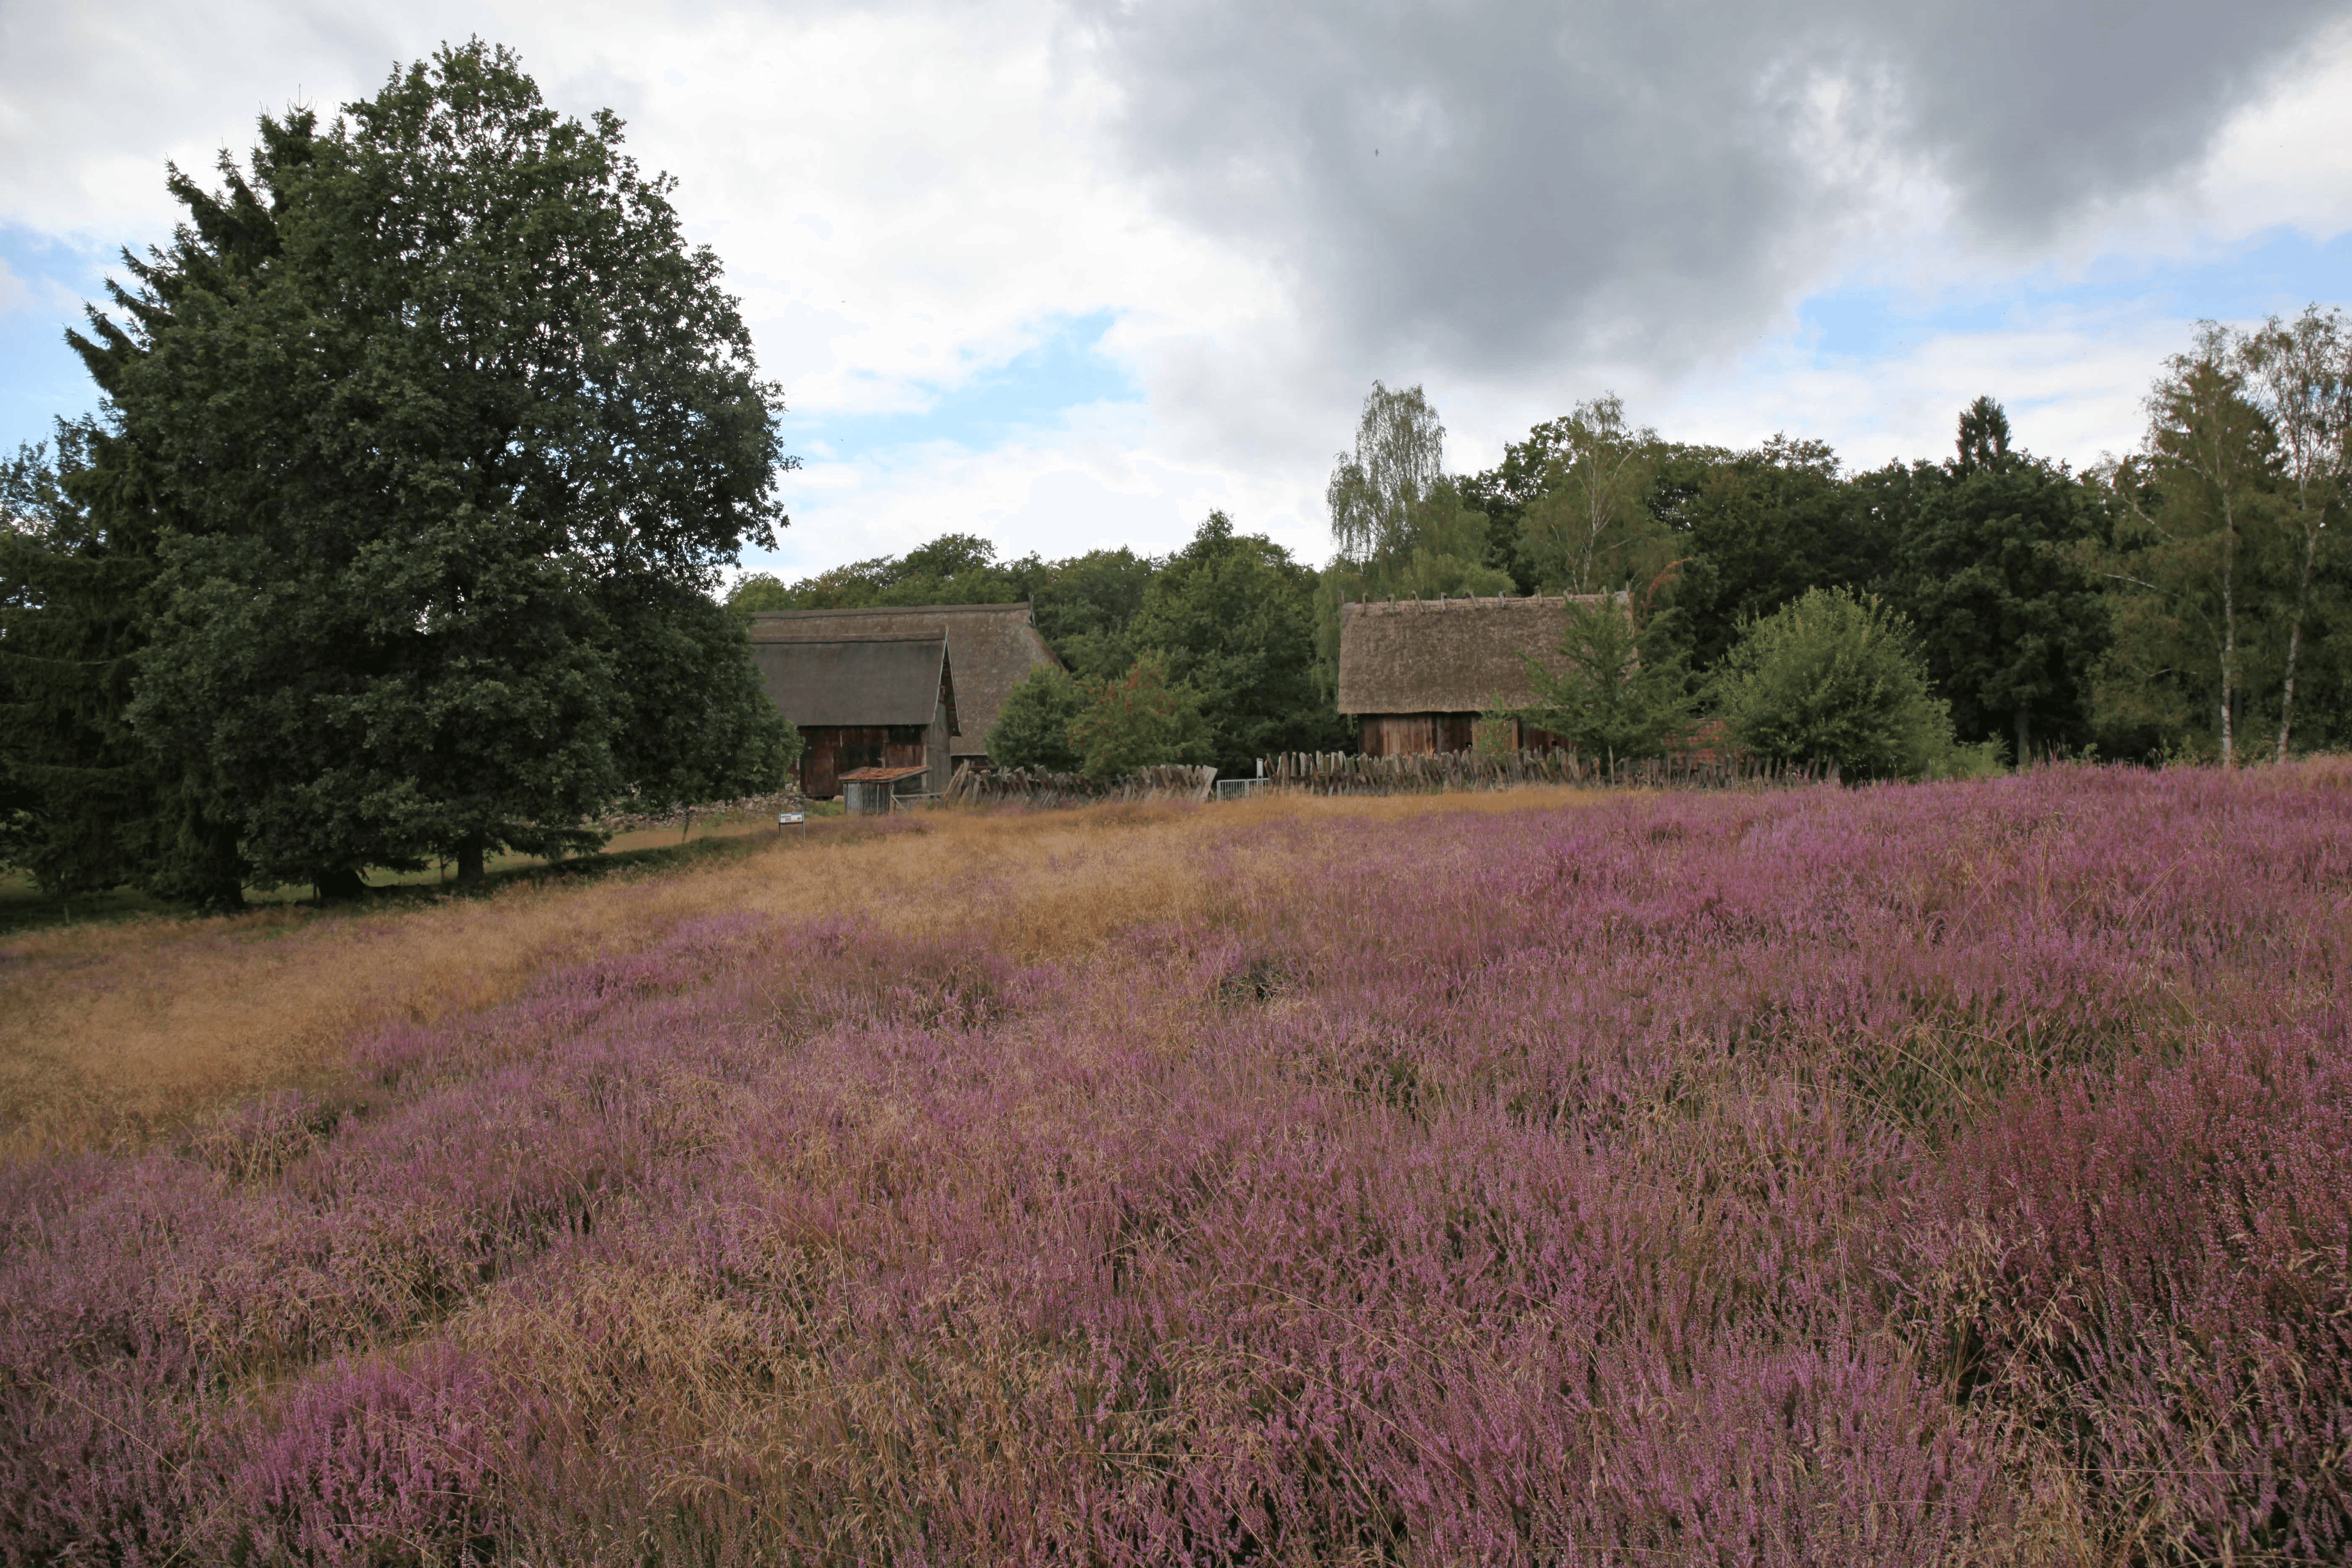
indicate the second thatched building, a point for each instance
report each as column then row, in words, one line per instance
column 1417, row 673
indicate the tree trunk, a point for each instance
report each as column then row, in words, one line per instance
column 2295, row 638
column 469, row 859
column 2229, row 632
column 2024, row 739
column 222, row 888
column 341, row 885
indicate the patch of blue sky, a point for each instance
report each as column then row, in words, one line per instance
column 41, row 379
column 2276, row 272
column 1065, row 369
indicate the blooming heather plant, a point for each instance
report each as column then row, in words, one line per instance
column 1950, row 1173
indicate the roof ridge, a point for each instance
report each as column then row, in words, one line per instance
column 864, row 636
column 1017, row 604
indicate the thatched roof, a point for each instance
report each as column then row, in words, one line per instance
column 1446, row 656
column 858, row 681
column 991, row 646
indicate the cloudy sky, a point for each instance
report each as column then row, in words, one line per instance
column 1071, row 274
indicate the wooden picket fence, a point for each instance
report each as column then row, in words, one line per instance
column 1024, row 787
column 1428, row 773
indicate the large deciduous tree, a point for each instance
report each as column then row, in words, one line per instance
column 1375, row 490
column 447, row 432
column 953, row 569
column 1753, row 531
column 1402, row 525
column 1085, row 604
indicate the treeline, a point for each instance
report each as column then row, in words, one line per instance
column 2185, row 601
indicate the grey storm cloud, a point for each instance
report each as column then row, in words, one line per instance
column 1491, row 181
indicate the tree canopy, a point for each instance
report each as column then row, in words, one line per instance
column 85, row 803
column 1235, row 618
column 427, row 443
column 1989, row 567
column 443, row 431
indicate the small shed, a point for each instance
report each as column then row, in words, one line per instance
column 877, row 791
column 993, row 647
column 864, row 702
column 1417, row 673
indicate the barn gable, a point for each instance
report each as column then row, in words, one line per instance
column 824, row 681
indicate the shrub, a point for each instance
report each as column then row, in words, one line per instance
column 1141, row 719
column 1033, row 730
column 1834, row 677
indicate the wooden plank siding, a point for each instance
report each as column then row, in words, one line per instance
column 1420, row 734
column 834, row 750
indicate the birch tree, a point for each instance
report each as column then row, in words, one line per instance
column 2299, row 375
column 1376, row 490
column 1400, row 522
column 1589, row 529
column 2206, row 456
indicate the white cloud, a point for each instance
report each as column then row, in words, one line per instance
column 2073, row 389
column 1567, row 197
column 1104, row 478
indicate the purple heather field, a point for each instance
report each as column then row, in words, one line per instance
column 1951, row 1174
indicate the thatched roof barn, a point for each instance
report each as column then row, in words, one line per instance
column 864, row 702
column 1417, row 673
column 991, row 646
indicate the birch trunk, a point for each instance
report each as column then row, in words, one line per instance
column 2229, row 628
column 2295, row 638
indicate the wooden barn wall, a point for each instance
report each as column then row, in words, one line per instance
column 1411, row 734
column 1418, row 734
column 834, row 750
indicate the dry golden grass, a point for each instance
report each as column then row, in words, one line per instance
column 109, row 1033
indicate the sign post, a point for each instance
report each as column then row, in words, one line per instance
column 790, row 819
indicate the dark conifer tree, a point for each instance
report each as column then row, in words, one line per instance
column 90, row 805
column 1987, row 567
